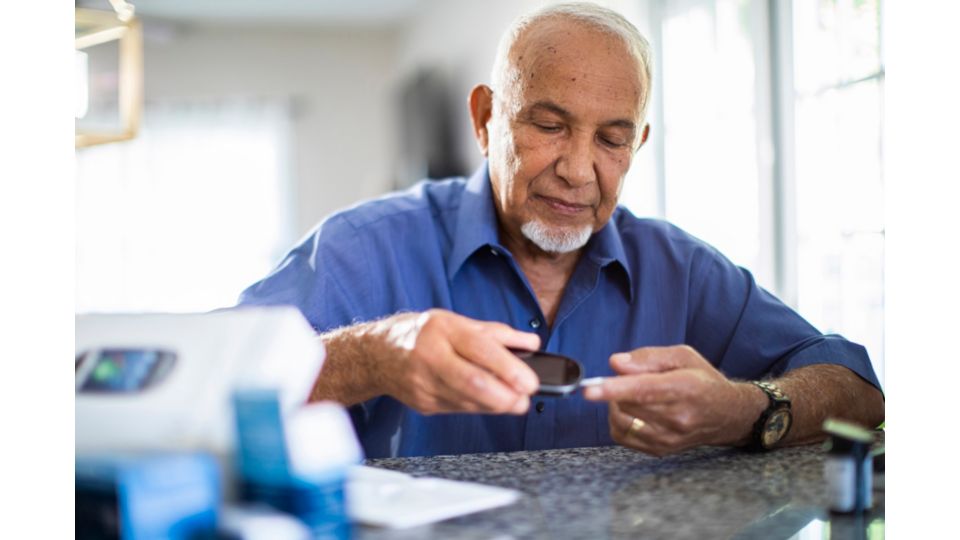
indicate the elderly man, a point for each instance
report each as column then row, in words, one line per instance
column 419, row 295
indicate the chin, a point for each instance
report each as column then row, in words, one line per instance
column 556, row 239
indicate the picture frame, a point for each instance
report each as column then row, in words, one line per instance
column 96, row 27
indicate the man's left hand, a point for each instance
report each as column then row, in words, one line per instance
column 669, row 399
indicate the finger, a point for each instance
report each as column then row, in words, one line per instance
column 654, row 359
column 654, row 413
column 486, row 345
column 651, row 438
column 508, row 336
column 619, row 422
column 474, row 389
column 620, row 431
column 667, row 417
column 639, row 389
column 521, row 406
column 516, row 339
column 622, row 418
column 668, row 428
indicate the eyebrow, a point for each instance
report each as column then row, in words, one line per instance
column 560, row 111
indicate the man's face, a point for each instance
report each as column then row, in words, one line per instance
column 562, row 136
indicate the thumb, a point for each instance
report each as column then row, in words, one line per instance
column 652, row 360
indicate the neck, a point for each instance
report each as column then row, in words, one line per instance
column 548, row 273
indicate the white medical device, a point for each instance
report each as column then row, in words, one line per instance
column 168, row 382
column 159, row 382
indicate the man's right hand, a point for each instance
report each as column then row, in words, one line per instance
column 434, row 362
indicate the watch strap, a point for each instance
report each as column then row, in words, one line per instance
column 773, row 392
column 777, row 399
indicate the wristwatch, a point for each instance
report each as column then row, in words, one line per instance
column 775, row 421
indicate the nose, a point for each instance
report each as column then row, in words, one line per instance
column 576, row 163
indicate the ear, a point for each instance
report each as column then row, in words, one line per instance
column 644, row 136
column 481, row 109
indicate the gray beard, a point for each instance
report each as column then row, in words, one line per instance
column 556, row 240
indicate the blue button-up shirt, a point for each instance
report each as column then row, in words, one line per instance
column 640, row 282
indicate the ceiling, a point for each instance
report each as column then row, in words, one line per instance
column 272, row 12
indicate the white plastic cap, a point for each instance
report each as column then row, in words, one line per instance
column 321, row 440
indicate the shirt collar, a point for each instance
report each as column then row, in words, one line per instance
column 477, row 228
column 606, row 247
column 476, row 221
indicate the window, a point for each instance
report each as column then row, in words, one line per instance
column 768, row 122
column 186, row 215
column 839, row 75
column 711, row 115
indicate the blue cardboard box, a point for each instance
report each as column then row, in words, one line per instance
column 147, row 496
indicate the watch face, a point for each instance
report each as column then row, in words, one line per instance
column 777, row 425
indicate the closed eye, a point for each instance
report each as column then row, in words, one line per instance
column 548, row 128
column 612, row 143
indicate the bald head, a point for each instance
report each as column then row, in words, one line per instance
column 529, row 41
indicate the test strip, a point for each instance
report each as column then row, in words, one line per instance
column 591, row 381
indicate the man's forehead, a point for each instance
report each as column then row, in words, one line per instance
column 557, row 57
column 556, row 40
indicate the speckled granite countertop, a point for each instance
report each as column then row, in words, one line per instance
column 613, row 492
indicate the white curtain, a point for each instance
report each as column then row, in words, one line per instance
column 186, row 215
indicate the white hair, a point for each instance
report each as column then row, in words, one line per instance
column 504, row 73
column 554, row 240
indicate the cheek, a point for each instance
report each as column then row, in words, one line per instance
column 505, row 163
column 609, row 194
column 619, row 162
column 503, row 148
column 518, row 158
column 611, row 184
column 532, row 146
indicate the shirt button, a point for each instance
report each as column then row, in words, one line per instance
column 534, row 323
column 541, row 406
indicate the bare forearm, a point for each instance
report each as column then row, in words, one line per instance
column 352, row 373
column 822, row 391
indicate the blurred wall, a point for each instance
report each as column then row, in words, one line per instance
column 339, row 84
column 343, row 82
column 459, row 39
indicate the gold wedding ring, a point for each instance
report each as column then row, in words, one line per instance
column 636, row 425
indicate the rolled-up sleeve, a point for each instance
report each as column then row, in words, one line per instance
column 747, row 333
